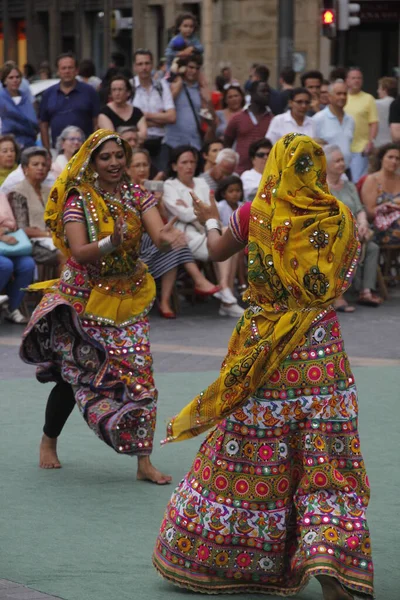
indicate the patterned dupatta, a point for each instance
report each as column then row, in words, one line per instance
column 303, row 251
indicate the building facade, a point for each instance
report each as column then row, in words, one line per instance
column 235, row 32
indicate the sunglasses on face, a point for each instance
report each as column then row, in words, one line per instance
column 262, row 154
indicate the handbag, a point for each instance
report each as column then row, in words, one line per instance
column 23, row 247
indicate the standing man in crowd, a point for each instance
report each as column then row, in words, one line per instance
column 387, row 92
column 332, row 125
column 287, row 78
column 295, row 119
column 249, row 125
column 69, row 102
column 187, row 96
column 362, row 107
column 312, row 81
column 276, row 102
column 154, row 99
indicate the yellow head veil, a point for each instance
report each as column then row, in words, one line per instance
column 78, row 174
column 303, row 250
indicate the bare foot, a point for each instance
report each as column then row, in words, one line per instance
column 48, row 453
column 147, row 472
column 332, row 589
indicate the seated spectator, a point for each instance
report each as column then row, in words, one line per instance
column 28, row 200
column 16, row 272
column 68, row 142
column 184, row 44
column 178, row 200
column 87, row 73
column 18, row 116
column 9, row 155
column 119, row 112
column 295, row 119
column 381, row 196
column 225, row 164
column 312, row 81
column 232, row 103
column 387, row 92
column 130, row 134
column 164, row 265
column 17, row 176
column 258, row 152
column 346, row 192
column 209, row 153
column 250, row 124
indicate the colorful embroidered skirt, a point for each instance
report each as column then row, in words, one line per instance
column 109, row 367
column 278, row 491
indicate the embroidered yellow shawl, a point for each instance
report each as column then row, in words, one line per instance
column 303, row 250
column 123, row 289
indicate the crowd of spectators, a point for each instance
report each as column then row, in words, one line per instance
column 188, row 137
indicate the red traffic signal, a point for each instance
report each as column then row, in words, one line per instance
column 328, row 22
column 328, row 17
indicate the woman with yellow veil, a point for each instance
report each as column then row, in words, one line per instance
column 278, row 490
column 90, row 332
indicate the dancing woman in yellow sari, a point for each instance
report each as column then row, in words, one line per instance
column 90, row 332
column 278, row 490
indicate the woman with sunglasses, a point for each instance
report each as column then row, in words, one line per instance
column 258, row 152
column 233, row 101
column 295, row 119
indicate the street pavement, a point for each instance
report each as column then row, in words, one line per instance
column 196, row 342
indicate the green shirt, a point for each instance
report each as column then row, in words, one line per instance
column 349, row 196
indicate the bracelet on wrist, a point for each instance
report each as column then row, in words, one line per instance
column 212, row 224
column 106, row 246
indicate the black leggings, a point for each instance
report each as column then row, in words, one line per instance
column 59, row 406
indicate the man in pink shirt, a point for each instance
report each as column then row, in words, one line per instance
column 249, row 125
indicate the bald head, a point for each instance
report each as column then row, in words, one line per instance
column 338, row 94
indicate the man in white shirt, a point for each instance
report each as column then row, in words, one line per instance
column 294, row 120
column 332, row 125
column 154, row 99
column 258, row 153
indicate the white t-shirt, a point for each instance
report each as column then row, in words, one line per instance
column 251, row 180
column 225, row 212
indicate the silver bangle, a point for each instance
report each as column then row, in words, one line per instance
column 106, row 246
column 212, row 224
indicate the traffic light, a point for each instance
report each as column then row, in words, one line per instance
column 348, row 12
column 328, row 21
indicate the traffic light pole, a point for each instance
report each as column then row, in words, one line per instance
column 285, row 34
column 341, row 48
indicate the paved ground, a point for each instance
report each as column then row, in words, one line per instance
column 196, row 341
